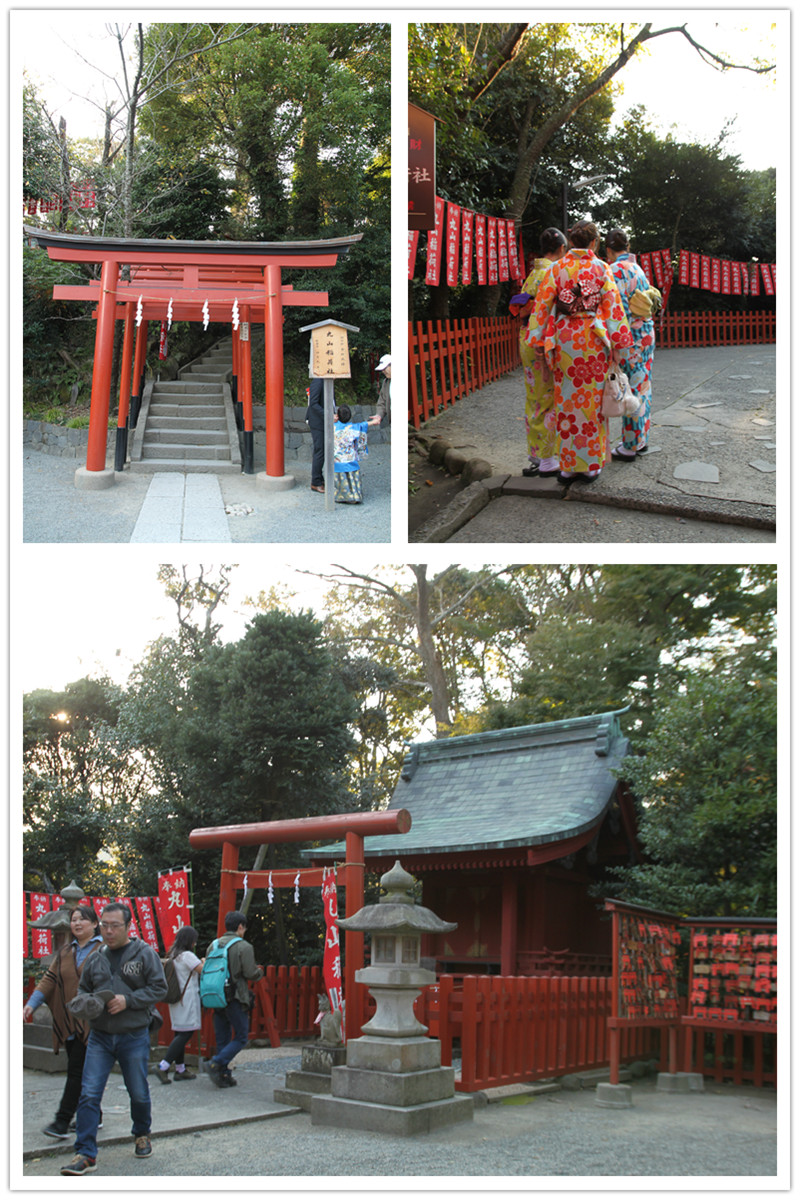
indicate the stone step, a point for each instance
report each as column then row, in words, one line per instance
column 185, row 437
column 205, row 410
column 186, row 466
column 37, row 1058
column 182, row 387
column 202, row 377
column 180, row 451
column 170, row 421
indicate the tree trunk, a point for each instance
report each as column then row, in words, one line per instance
column 440, row 701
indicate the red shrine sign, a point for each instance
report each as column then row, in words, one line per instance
column 142, row 279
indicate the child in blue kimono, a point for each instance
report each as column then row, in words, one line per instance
column 349, row 443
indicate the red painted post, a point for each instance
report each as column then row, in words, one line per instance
column 273, row 352
column 508, row 928
column 101, row 372
column 353, row 942
column 245, row 391
column 139, row 359
column 121, row 448
column 227, row 892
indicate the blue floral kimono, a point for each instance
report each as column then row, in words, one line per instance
column 638, row 361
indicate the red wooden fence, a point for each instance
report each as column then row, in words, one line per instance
column 519, row 1029
column 449, row 359
column 685, row 329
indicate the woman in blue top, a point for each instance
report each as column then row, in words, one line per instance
column 349, row 442
column 637, row 360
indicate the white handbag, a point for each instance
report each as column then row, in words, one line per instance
column 618, row 398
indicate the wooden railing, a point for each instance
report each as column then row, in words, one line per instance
column 519, row 1029
column 681, row 330
column 449, row 359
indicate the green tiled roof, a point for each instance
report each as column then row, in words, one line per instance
column 528, row 786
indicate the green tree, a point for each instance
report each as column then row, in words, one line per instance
column 78, row 786
column 706, row 785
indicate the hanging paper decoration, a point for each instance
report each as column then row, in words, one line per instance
column 235, row 314
column 297, row 888
column 169, row 314
column 205, row 314
column 162, row 341
column 138, row 312
column 244, row 884
column 270, row 892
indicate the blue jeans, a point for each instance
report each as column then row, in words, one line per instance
column 132, row 1052
column 231, row 1030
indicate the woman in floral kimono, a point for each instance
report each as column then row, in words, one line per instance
column 349, row 441
column 638, row 361
column 578, row 325
column 540, row 420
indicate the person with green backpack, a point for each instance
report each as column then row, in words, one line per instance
column 229, row 964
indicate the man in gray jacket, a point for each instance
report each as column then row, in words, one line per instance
column 119, row 986
column 232, row 1023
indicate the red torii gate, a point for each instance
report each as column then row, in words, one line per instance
column 149, row 273
column 353, row 827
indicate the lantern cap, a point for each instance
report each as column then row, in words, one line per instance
column 396, row 912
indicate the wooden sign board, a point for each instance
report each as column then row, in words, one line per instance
column 421, row 169
column 330, row 356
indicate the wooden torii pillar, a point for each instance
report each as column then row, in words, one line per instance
column 353, row 827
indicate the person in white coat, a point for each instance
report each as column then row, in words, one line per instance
column 187, row 1015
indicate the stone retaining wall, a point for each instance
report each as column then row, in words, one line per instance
column 71, row 443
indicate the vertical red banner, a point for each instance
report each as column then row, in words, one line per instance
column 683, row 267
column 726, row 277
column 736, row 279
column 147, row 921
column 99, row 903
column 745, row 273
column 754, row 288
column 514, row 271
column 502, row 250
column 480, row 247
column 134, row 928
column 716, row 275
column 646, row 263
column 467, row 221
column 42, row 939
column 413, row 242
column 25, row 938
column 173, row 904
column 331, row 959
column 435, row 246
column 453, row 233
column 658, row 270
column 491, row 241
column 705, row 272
column 766, row 276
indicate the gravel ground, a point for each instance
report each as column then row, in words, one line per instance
column 723, row 1132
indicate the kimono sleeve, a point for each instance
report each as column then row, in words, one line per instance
column 541, row 317
column 612, row 314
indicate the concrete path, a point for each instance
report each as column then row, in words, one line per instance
column 713, row 456
column 202, row 1132
column 158, row 508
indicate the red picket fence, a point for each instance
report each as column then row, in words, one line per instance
column 519, row 1029
column 449, row 359
column 681, row 330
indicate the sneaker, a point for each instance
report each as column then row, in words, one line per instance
column 80, row 1165
column 215, row 1073
column 227, row 1080
column 143, row 1147
column 57, row 1129
column 179, row 1075
column 163, row 1075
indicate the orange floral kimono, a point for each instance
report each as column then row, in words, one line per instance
column 579, row 320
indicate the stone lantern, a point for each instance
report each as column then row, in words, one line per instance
column 393, row 1080
column 57, row 921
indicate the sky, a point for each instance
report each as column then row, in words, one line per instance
column 102, row 621
column 676, row 88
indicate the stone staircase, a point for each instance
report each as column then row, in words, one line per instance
column 188, row 424
column 37, row 1045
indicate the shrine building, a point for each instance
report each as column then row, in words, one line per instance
column 147, row 279
column 509, row 830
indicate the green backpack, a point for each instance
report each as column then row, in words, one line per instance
column 216, row 975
